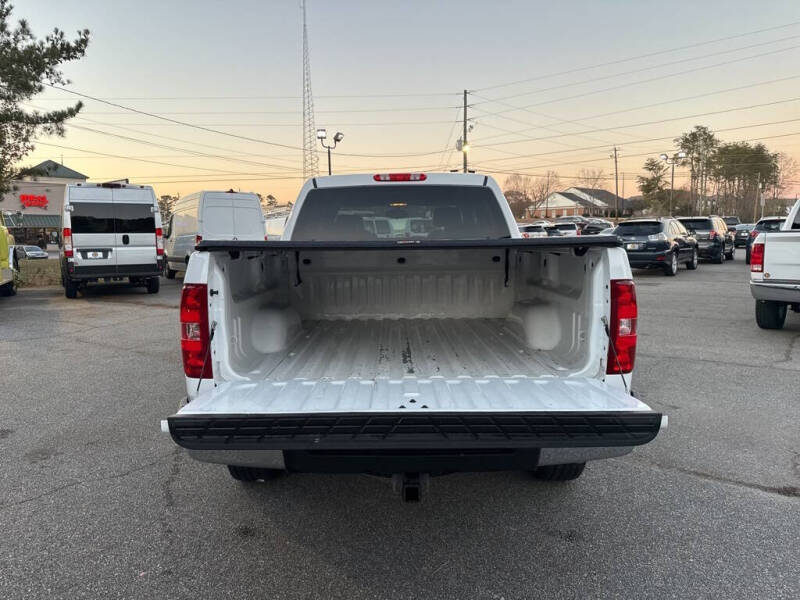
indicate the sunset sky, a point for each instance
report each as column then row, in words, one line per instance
column 554, row 85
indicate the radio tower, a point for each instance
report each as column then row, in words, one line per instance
column 310, row 159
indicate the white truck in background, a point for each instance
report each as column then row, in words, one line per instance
column 445, row 343
column 775, row 272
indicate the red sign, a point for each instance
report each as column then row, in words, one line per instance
column 33, row 200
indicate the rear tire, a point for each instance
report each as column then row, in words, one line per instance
column 253, row 473
column 747, row 256
column 153, row 284
column 168, row 273
column 566, row 472
column 731, row 254
column 692, row 264
column 70, row 288
column 9, row 289
column 770, row 314
column 672, row 268
column 721, row 258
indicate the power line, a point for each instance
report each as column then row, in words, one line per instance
column 641, row 69
column 284, row 112
column 639, row 82
column 638, row 57
column 644, row 123
column 579, row 120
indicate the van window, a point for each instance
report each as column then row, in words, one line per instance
column 92, row 217
column 134, row 218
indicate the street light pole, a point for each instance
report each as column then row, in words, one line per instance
column 322, row 134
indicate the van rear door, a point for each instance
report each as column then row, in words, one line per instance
column 91, row 218
column 248, row 219
column 135, row 230
column 217, row 217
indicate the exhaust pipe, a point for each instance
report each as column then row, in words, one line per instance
column 410, row 486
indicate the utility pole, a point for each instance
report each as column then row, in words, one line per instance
column 755, row 199
column 464, row 145
column 616, row 185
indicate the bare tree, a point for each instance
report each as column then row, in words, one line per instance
column 542, row 188
column 590, row 178
column 518, row 189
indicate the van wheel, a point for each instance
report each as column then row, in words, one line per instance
column 153, row 284
column 253, row 473
column 70, row 288
column 731, row 254
column 169, row 273
column 559, row 472
column 770, row 314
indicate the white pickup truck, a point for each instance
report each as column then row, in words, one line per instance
column 775, row 272
column 403, row 327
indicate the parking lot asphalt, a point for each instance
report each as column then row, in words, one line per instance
column 96, row 502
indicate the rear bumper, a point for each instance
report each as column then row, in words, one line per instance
column 641, row 260
column 781, row 292
column 709, row 251
column 403, row 431
column 77, row 272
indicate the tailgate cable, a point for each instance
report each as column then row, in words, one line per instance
column 613, row 351
column 208, row 351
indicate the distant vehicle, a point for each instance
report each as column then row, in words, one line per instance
column 210, row 215
column 530, row 230
column 608, row 231
column 662, row 243
column 29, row 253
column 775, row 271
column 714, row 241
column 577, row 219
column 568, row 227
column 594, row 226
column 731, row 221
column 765, row 224
column 8, row 285
column 111, row 231
column 741, row 233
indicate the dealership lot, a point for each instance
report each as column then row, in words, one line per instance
column 96, row 501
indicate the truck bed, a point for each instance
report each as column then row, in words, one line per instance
column 396, row 348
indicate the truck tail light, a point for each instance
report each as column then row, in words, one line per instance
column 159, row 241
column 754, row 233
column 197, row 239
column 400, row 177
column 66, row 239
column 195, row 343
column 757, row 257
column 622, row 327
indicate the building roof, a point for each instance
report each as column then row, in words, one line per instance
column 51, row 168
column 29, row 220
column 604, row 196
column 577, row 199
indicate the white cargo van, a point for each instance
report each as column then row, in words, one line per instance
column 111, row 231
column 210, row 215
column 453, row 346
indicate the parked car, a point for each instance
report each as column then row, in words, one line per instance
column 662, row 243
column 594, row 226
column 741, row 233
column 407, row 359
column 531, row 230
column 29, row 253
column 775, row 271
column 765, row 224
column 731, row 221
column 210, row 215
column 714, row 241
column 577, row 219
column 567, row 227
column 111, row 231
